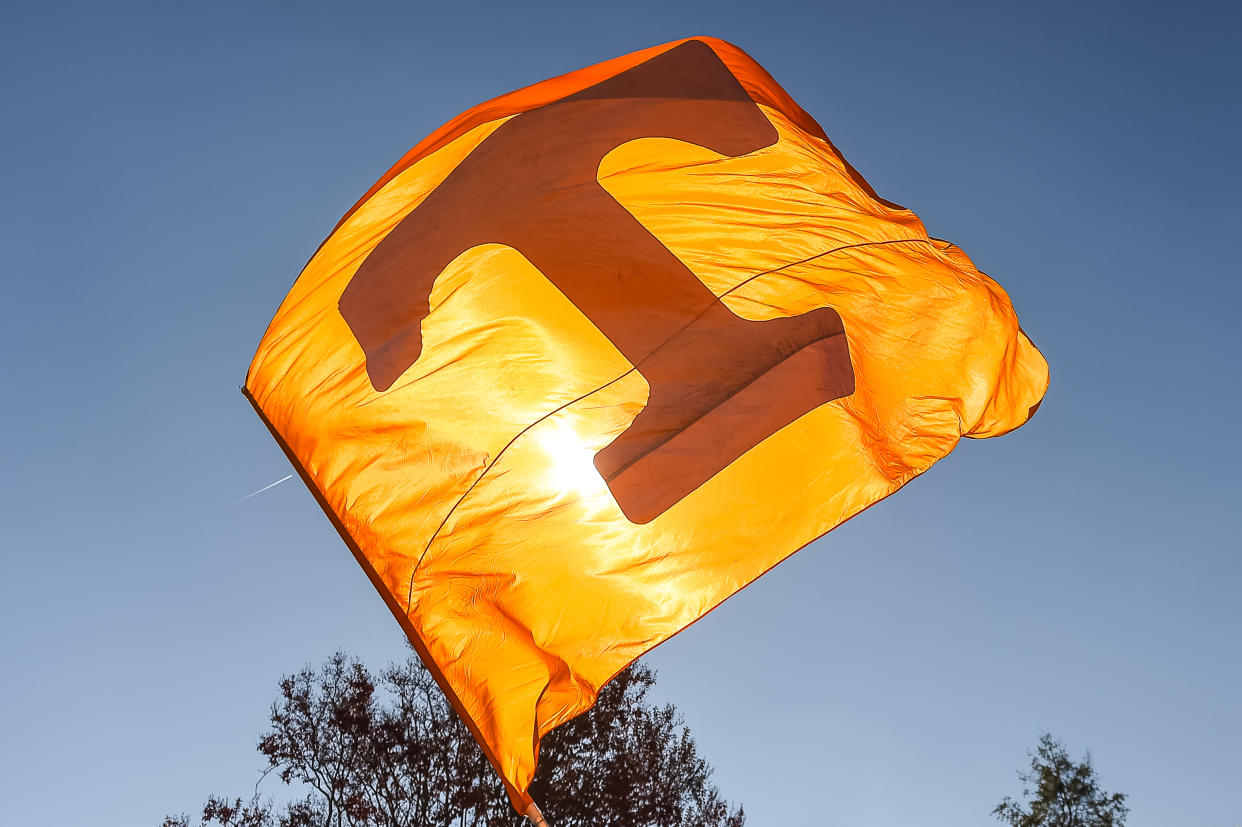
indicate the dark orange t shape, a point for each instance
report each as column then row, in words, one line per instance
column 719, row 384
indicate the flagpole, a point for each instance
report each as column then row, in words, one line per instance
column 536, row 817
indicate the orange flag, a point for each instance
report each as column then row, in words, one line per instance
column 598, row 353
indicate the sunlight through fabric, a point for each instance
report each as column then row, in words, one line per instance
column 598, row 353
column 572, row 469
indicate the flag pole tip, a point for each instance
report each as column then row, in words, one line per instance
column 536, row 817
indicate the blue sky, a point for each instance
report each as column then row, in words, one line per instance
column 170, row 167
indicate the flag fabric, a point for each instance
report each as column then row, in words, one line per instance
column 598, row 353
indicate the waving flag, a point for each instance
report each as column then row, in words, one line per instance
column 598, row 353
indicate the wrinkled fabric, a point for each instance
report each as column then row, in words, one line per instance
column 598, row 353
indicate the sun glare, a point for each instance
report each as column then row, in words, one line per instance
column 572, row 461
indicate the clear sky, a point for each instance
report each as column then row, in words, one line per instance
column 169, row 167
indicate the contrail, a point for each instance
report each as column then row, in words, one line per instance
column 264, row 488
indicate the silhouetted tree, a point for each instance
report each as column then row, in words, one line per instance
column 389, row 751
column 1062, row 793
